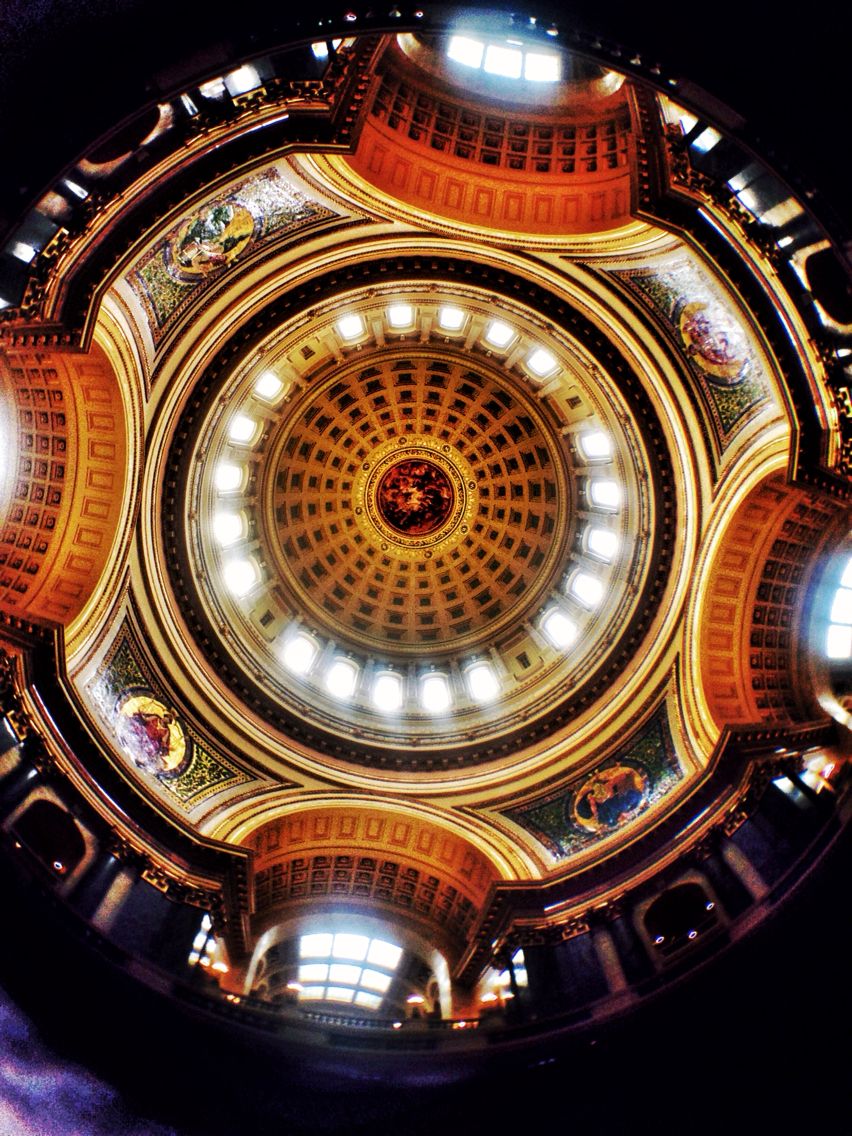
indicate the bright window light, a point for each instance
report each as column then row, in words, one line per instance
column 344, row 972
column 559, row 629
column 313, row 972
column 838, row 643
column 706, row 140
column 435, row 693
column 244, row 79
column 542, row 363
column 467, row 51
column 605, row 494
column 76, row 189
column 312, row 994
column 320, row 49
column 23, row 251
column 499, row 334
column 339, row 994
column 687, row 121
column 227, row 528
column 348, row 946
column 350, row 327
column 846, row 578
column 596, row 445
column 375, row 980
column 200, row 941
column 268, row 386
column 505, row 61
column 387, row 692
column 242, row 428
column 841, row 609
column 227, row 477
column 213, row 88
column 587, row 589
column 482, row 682
column 341, row 677
column 384, row 954
column 369, row 1001
column 541, row 68
column 316, row 946
column 451, row 319
column 400, row 315
column 299, row 653
column 240, row 576
column 602, row 542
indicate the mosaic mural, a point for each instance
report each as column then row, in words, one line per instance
column 729, row 373
column 205, row 243
column 150, row 733
column 597, row 804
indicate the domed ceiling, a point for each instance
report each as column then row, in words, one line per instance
column 437, row 488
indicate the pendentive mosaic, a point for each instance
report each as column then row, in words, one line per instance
column 730, row 376
column 597, row 804
column 206, row 242
column 149, row 732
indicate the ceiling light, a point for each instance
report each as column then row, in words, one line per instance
column 268, row 386
column 344, row 972
column 499, row 334
column 242, row 428
column 838, row 642
column 313, row 972
column 558, row 628
column 451, row 319
column 299, row 653
column 339, row 994
column 370, row 1001
column 387, row 692
column 350, row 327
column 311, row 993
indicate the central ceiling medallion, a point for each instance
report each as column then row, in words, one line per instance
column 415, row 495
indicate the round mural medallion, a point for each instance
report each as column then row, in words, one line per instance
column 414, row 497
